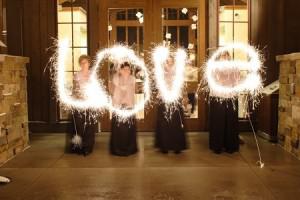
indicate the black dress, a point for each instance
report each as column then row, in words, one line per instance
column 170, row 132
column 86, row 129
column 123, row 137
column 223, row 126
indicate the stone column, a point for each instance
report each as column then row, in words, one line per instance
column 13, row 106
column 289, row 102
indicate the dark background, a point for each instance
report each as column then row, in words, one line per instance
column 274, row 28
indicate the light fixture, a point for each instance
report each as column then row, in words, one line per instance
column 139, row 15
column 194, row 26
column 168, row 35
column 190, row 46
column 192, row 56
column 4, row 180
column 195, row 18
column 184, row 10
column 141, row 20
column 109, row 27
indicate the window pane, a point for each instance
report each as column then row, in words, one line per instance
column 131, row 14
column 173, row 31
column 132, row 35
column 121, row 15
column 65, row 32
column 172, row 14
column 226, row 10
column 80, row 11
column 79, row 14
column 184, row 16
column 69, row 63
column 121, row 34
column 64, row 114
column 80, row 35
column 64, row 11
column 241, row 32
column 184, row 36
column 77, row 53
column 225, row 33
column 69, row 82
column 241, row 14
column 141, row 40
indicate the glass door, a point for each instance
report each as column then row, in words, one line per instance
column 142, row 23
column 126, row 23
column 182, row 25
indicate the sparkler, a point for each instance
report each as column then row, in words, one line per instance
column 68, row 100
column 160, row 56
column 251, row 84
column 121, row 54
column 94, row 95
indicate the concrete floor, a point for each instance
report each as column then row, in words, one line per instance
column 45, row 172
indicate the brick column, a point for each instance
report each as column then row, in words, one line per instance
column 13, row 106
column 289, row 102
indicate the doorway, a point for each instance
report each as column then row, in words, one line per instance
column 143, row 23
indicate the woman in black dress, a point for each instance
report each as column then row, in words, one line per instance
column 123, row 133
column 170, row 132
column 224, row 116
column 84, row 127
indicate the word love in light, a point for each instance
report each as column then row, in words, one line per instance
column 97, row 98
column 161, row 55
column 223, row 75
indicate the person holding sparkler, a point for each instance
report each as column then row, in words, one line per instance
column 84, row 128
column 123, row 131
column 170, row 132
column 223, row 113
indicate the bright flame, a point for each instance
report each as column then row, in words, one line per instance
column 64, row 97
column 120, row 54
column 95, row 97
column 251, row 85
column 160, row 56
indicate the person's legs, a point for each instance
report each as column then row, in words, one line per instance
column 231, row 138
column 123, row 137
column 88, row 140
column 78, row 124
column 216, row 125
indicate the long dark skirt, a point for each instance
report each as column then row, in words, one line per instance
column 123, row 137
column 223, row 126
column 86, row 129
column 170, row 133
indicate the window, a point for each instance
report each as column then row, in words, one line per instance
column 233, row 27
column 72, row 24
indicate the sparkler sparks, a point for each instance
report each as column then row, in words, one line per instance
column 120, row 54
column 250, row 85
column 94, row 95
column 64, row 97
column 160, row 57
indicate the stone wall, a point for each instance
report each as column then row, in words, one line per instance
column 13, row 106
column 289, row 102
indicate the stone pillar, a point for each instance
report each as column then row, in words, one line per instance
column 13, row 106
column 289, row 102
